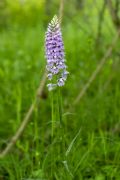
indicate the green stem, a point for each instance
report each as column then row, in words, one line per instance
column 60, row 106
column 53, row 120
column 52, row 130
column 61, row 130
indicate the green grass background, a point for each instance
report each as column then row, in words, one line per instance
column 91, row 145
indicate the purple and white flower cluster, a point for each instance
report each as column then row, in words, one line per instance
column 56, row 68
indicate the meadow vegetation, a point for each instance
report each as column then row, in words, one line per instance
column 91, row 125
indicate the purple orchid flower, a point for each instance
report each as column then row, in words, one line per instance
column 56, row 67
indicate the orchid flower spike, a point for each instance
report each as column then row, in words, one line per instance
column 54, row 50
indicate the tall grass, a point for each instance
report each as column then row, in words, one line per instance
column 91, row 149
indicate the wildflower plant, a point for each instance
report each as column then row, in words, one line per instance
column 57, row 75
column 54, row 49
column 56, row 68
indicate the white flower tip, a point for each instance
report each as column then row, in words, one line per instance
column 54, row 21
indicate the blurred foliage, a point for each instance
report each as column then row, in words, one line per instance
column 95, row 153
column 3, row 14
column 22, row 11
